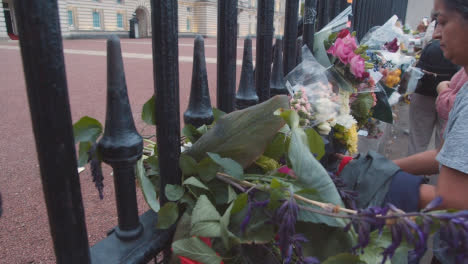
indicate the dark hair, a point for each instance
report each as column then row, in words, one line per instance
column 459, row 6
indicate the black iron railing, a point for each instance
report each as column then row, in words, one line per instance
column 135, row 239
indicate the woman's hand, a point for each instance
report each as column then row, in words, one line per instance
column 443, row 86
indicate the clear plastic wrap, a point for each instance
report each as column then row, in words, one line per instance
column 311, row 90
column 410, row 80
column 377, row 37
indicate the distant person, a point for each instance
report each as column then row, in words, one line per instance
column 423, row 117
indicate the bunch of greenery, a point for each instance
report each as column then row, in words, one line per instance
column 253, row 185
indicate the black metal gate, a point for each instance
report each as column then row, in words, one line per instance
column 136, row 240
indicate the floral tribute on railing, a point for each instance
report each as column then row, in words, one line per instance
column 254, row 191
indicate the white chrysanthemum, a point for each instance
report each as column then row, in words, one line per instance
column 346, row 121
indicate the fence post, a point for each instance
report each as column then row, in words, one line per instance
column 199, row 111
column 166, row 88
column 299, row 44
column 227, row 54
column 44, row 69
column 265, row 13
column 277, row 85
column 246, row 96
column 310, row 17
column 290, row 36
column 121, row 146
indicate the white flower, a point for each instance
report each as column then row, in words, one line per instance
column 346, row 121
column 324, row 128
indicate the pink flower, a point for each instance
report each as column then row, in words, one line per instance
column 343, row 33
column 288, row 171
column 358, row 66
column 344, row 48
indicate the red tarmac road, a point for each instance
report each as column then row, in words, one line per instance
column 24, row 228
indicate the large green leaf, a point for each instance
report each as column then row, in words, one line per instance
column 230, row 167
column 242, row 135
column 312, row 175
column 205, row 219
column 195, row 249
column 361, row 107
column 316, row 144
column 344, row 258
column 83, row 155
column 309, row 171
column 217, row 114
column 87, row 129
column 206, row 229
column 188, row 165
column 240, row 203
column 174, row 192
column 148, row 114
column 167, row 215
column 204, row 211
column 147, row 187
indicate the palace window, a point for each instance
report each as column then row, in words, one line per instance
column 96, row 19
column 119, row 20
column 71, row 19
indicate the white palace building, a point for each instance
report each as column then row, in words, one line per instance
column 99, row 18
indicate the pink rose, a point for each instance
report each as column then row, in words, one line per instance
column 358, row 66
column 344, row 48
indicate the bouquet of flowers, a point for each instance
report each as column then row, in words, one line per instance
column 253, row 191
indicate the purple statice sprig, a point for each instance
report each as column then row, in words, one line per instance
column 348, row 196
column 414, row 228
column 289, row 242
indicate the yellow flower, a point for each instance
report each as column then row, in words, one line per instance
column 352, row 139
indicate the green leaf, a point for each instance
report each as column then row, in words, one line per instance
column 207, row 169
column 217, row 114
column 316, row 144
column 188, row 165
column 224, row 228
column 325, row 241
column 232, row 195
column 378, row 243
column 344, row 258
column 290, row 116
column 361, row 107
column 191, row 133
column 206, row 229
column 153, row 163
column 167, row 215
column 203, row 129
column 267, row 164
column 276, row 184
column 309, row 194
column 230, row 167
column 87, row 129
column 147, row 187
column 278, row 147
column 174, row 192
column 83, row 155
column 276, row 196
column 240, row 203
column 312, row 175
column 195, row 182
column 242, row 135
column 148, row 114
column 204, row 211
column 195, row 249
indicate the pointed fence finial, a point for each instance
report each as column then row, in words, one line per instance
column 121, row 145
column 199, row 111
column 247, row 95
column 277, row 85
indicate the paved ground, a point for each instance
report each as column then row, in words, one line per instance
column 24, row 233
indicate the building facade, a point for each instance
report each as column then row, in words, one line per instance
column 99, row 18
